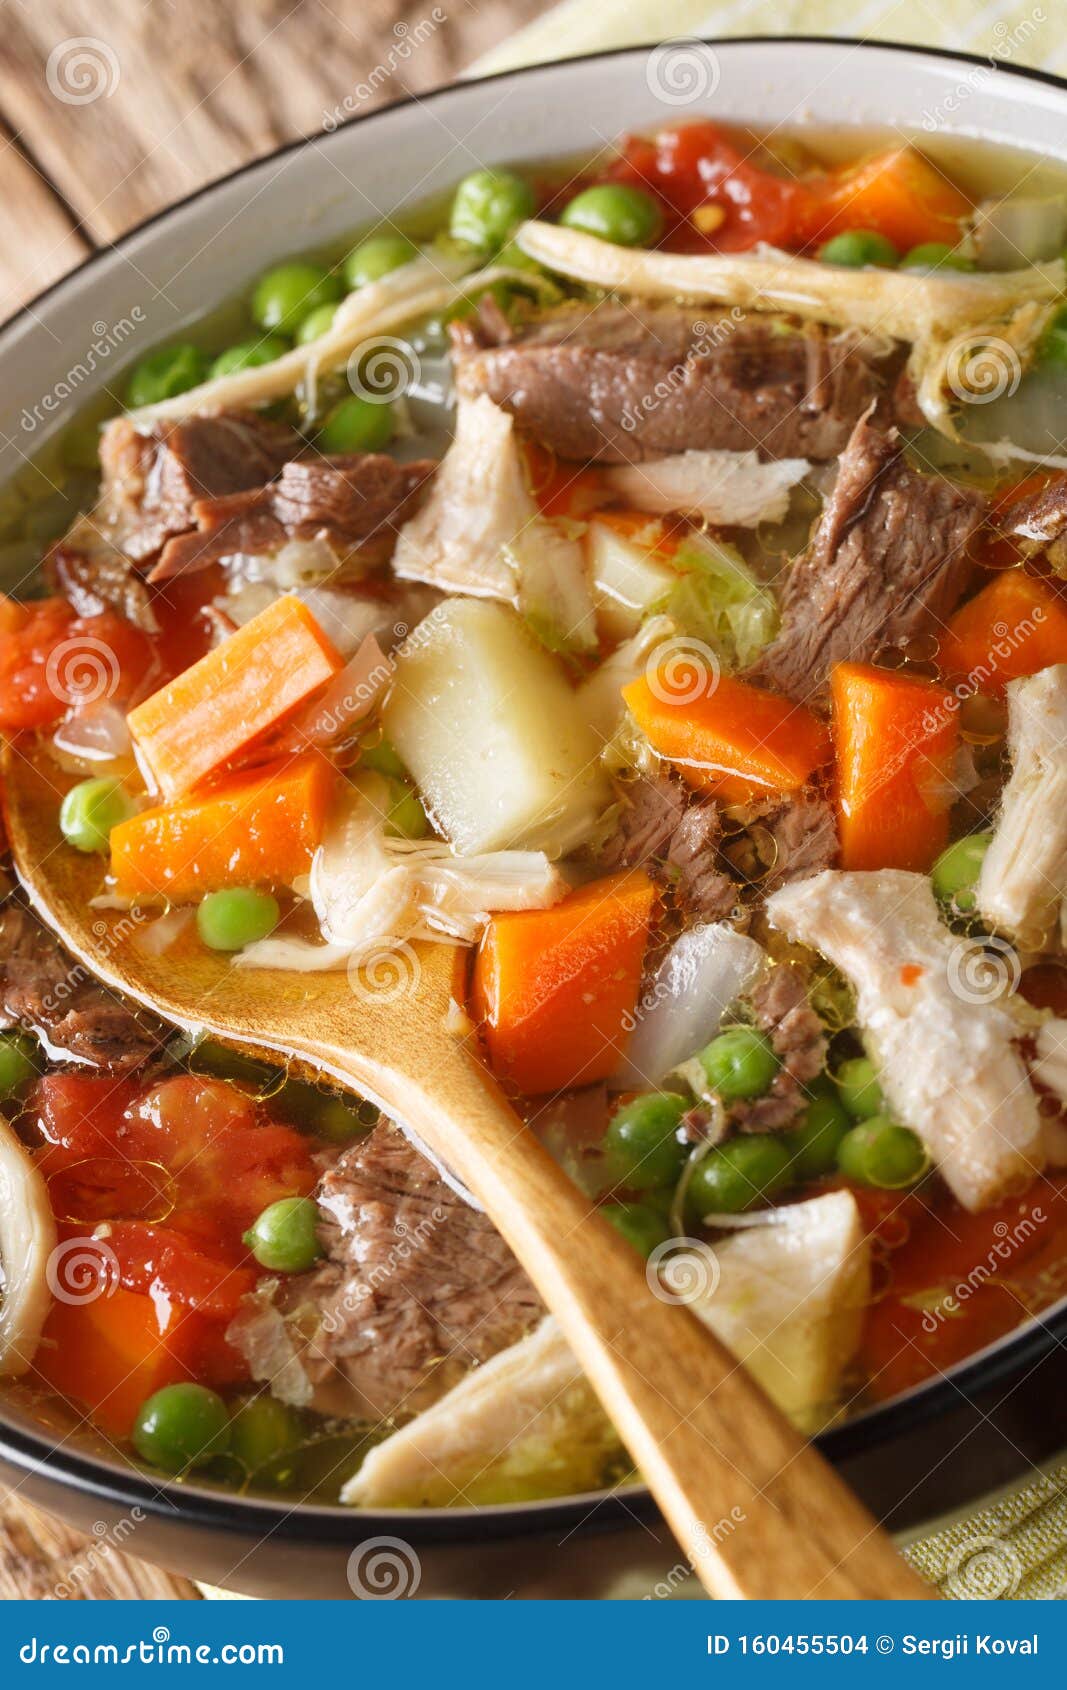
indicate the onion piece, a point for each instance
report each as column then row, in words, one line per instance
column 27, row 1247
column 349, row 697
column 682, row 1006
column 98, row 734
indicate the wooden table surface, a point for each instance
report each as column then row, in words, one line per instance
column 108, row 113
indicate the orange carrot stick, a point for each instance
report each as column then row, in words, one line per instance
column 554, row 989
column 727, row 736
column 898, row 194
column 896, row 739
column 254, row 828
column 1015, row 626
column 238, row 692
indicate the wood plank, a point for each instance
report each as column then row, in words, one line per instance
column 120, row 137
column 38, row 238
column 42, row 1558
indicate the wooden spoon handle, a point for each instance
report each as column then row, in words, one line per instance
column 755, row 1508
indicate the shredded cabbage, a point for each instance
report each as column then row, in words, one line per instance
column 720, row 600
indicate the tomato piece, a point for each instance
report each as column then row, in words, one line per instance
column 52, row 661
column 109, row 1188
column 698, row 165
column 161, row 1262
column 79, row 1116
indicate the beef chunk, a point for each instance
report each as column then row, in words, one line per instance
column 356, row 502
column 786, row 838
column 888, row 560
column 677, row 842
column 618, row 383
column 416, row 1288
column 1039, row 522
column 44, row 989
column 694, row 869
column 151, row 483
column 781, row 1009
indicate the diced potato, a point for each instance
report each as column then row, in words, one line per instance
column 790, row 1299
column 488, row 725
column 628, row 583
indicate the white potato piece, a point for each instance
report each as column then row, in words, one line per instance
column 489, row 727
column 526, row 1422
column 627, row 581
column 599, row 696
column 1021, row 886
column 732, row 489
column 790, row 1299
column 947, row 1061
column 27, row 1243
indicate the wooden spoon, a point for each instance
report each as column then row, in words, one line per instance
column 710, row 1445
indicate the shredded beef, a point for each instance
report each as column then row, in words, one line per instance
column 417, row 1287
column 618, row 383
column 44, row 989
column 888, row 561
column 787, row 838
column 677, row 841
column 781, row 1010
column 1039, row 522
column 151, row 481
column 356, row 502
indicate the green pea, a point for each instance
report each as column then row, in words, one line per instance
column 487, row 206
column 229, row 920
column 739, row 1063
column 738, row 1175
column 857, row 1084
column 284, row 1238
column 262, row 1429
column 376, row 257
column 406, row 818
column 642, row 1142
column 880, row 1153
column 1052, row 347
column 249, row 355
column 286, row 295
column 936, row 255
column 166, row 373
column 638, row 1223
column 90, row 810
column 383, row 760
column 181, row 1426
column 955, row 873
column 19, row 1064
column 317, row 322
column 813, row 1144
column 357, row 425
column 858, row 247
column 614, row 212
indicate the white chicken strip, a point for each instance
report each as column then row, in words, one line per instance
column 528, row 1412
column 947, row 1062
column 27, row 1244
column 789, row 1298
column 480, row 532
column 1049, row 1069
column 1023, row 879
column 728, row 488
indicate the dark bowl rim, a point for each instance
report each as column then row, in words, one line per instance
column 33, row 1454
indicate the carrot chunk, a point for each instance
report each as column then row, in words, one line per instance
column 555, row 990
column 728, row 737
column 111, row 1352
column 898, row 194
column 1014, row 627
column 233, row 696
column 255, row 828
column 896, row 739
